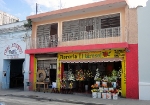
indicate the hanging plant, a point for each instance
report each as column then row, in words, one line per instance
column 28, row 24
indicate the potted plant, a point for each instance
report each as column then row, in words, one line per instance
column 99, row 93
column 113, row 81
column 104, row 81
column 97, row 77
column 94, row 90
column 109, row 81
column 114, row 78
column 98, row 81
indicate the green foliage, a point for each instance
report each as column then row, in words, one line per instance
column 114, row 73
column 113, row 79
column 28, row 24
column 98, row 79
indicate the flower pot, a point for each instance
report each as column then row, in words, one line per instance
column 101, row 89
column 99, row 94
column 105, row 90
column 98, row 83
column 114, row 84
column 108, row 95
column 110, row 89
column 115, row 96
column 103, row 95
column 104, row 84
column 94, row 94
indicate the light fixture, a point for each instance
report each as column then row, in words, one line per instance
column 127, row 50
column 29, row 72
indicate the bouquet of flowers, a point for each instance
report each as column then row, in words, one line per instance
column 115, row 91
column 94, row 88
column 71, row 75
column 97, row 75
column 79, row 75
column 87, row 74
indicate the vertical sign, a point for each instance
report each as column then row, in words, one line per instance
column 35, row 73
column 123, row 79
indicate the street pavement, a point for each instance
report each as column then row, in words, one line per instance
column 27, row 101
column 69, row 98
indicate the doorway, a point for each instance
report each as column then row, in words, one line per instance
column 16, row 75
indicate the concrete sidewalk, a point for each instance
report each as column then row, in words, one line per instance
column 71, row 98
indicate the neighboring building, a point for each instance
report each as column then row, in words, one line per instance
column 144, row 59
column 99, row 35
column 6, row 18
column 14, row 63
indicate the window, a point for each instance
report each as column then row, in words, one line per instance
column 89, row 28
column 110, row 21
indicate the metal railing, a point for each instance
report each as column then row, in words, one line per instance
column 42, row 42
column 92, row 34
column 102, row 36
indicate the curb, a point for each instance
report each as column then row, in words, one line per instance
column 52, row 99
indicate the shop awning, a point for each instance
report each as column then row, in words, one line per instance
column 92, row 60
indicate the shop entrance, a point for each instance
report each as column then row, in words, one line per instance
column 16, row 75
column 47, row 71
column 84, row 75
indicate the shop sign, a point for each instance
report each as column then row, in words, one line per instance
column 93, row 55
column 13, row 51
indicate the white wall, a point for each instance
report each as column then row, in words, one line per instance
column 144, row 51
column 7, row 40
column 6, row 18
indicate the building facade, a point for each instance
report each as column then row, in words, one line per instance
column 14, row 63
column 101, row 35
column 143, row 41
column 6, row 18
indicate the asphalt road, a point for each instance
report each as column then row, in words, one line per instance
column 27, row 101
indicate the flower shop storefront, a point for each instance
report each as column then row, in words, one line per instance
column 89, row 72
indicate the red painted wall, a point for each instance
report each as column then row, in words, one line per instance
column 31, row 75
column 132, row 89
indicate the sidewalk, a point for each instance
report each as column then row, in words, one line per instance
column 71, row 98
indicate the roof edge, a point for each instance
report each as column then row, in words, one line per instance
column 90, row 5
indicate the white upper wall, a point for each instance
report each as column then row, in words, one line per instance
column 136, row 3
column 13, row 38
column 144, row 42
column 144, row 51
column 6, row 18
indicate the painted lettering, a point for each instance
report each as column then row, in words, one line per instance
column 70, row 56
column 13, row 50
column 92, row 55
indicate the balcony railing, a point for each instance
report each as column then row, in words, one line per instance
column 42, row 42
column 92, row 34
column 102, row 36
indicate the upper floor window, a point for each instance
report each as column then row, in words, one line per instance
column 110, row 21
column 47, row 35
column 90, row 28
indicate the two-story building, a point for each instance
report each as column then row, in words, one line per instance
column 100, row 35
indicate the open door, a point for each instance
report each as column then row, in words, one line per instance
column 6, row 74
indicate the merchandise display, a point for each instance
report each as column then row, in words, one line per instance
column 100, row 79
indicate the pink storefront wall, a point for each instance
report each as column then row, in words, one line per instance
column 132, row 78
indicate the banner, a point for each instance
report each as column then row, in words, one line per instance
column 93, row 55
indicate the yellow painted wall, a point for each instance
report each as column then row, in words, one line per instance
column 35, row 72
